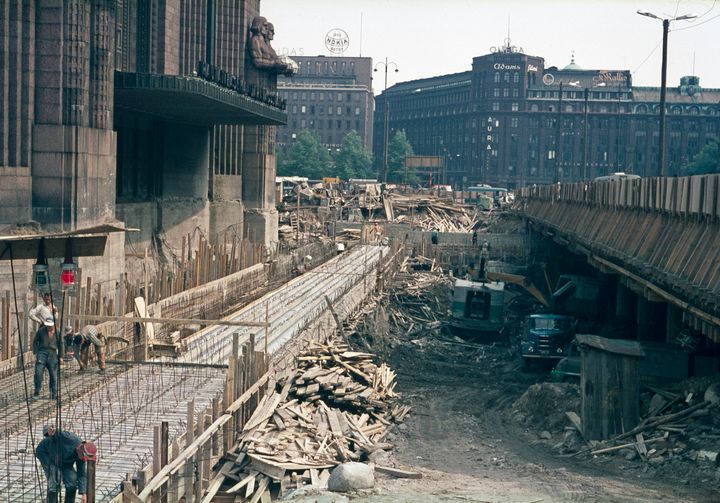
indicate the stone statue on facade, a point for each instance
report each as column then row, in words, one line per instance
column 263, row 55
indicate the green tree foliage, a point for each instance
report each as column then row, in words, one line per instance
column 308, row 157
column 706, row 161
column 399, row 148
column 353, row 161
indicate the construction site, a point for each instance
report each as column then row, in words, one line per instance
column 180, row 324
column 402, row 343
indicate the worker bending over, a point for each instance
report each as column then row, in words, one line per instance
column 64, row 453
column 89, row 336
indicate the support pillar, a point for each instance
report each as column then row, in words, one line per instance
column 624, row 303
column 650, row 320
column 258, row 185
column 673, row 323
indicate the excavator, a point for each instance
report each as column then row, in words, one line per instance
column 478, row 307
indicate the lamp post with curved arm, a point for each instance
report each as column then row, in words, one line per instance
column 386, row 64
column 663, row 79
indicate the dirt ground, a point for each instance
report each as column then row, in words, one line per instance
column 482, row 430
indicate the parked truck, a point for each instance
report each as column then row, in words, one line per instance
column 547, row 337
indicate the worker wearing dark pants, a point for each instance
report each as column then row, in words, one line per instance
column 45, row 348
column 89, row 336
column 64, row 453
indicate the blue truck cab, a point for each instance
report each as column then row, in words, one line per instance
column 547, row 337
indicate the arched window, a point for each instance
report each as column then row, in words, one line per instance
column 497, row 76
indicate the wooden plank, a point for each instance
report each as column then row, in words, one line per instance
column 242, row 483
column 398, row 473
column 262, row 485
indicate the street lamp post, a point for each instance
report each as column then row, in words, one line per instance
column 558, row 149
column 386, row 111
column 663, row 79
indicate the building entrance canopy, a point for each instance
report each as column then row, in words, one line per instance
column 190, row 100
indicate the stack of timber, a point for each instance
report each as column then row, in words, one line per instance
column 336, row 406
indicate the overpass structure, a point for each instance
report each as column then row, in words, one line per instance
column 658, row 237
column 119, row 411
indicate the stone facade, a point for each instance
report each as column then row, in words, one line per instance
column 74, row 152
column 505, row 123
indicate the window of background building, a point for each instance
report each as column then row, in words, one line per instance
column 321, row 96
column 534, row 107
column 506, row 92
column 347, row 110
column 347, row 125
column 294, row 109
column 568, row 108
column 515, row 107
column 312, row 123
column 506, row 76
column 339, row 96
column 302, row 109
column 515, row 92
column 347, row 96
column 496, row 92
column 357, row 110
column 294, row 96
column 339, row 124
column 514, row 122
column 331, row 110
column 303, row 124
column 312, row 109
column 312, row 96
column 497, row 77
column 303, row 96
column 495, row 106
column 321, row 110
column 338, row 110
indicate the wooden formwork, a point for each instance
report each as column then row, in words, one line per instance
column 664, row 229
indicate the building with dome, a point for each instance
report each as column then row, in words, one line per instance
column 512, row 121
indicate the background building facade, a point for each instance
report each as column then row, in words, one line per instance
column 511, row 121
column 329, row 96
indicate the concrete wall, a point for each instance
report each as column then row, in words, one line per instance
column 73, row 175
column 16, row 195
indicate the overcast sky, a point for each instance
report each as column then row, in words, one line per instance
column 435, row 37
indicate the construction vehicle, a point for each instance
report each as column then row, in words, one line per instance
column 478, row 303
column 547, row 337
column 477, row 307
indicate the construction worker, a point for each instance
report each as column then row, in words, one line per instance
column 89, row 336
column 64, row 453
column 44, row 310
column 45, row 349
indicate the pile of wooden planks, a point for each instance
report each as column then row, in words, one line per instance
column 336, row 406
column 430, row 213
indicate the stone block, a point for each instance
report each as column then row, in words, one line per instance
column 49, row 163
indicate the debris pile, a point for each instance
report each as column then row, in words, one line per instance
column 678, row 433
column 335, row 407
column 542, row 405
column 430, row 213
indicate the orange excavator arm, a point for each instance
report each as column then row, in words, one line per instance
column 522, row 281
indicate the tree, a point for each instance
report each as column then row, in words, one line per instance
column 706, row 161
column 399, row 148
column 308, row 157
column 353, row 161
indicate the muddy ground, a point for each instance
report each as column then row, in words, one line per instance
column 477, row 434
